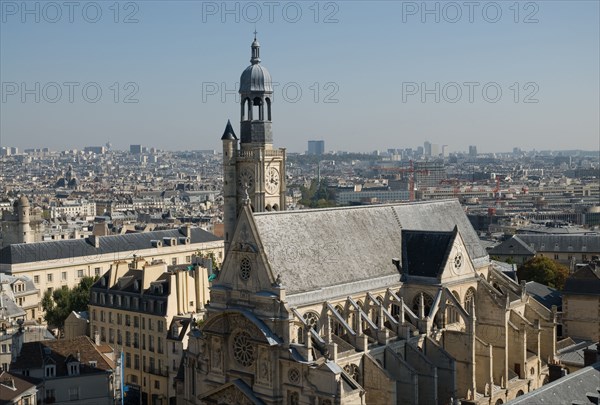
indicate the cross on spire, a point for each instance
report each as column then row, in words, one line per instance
column 255, row 32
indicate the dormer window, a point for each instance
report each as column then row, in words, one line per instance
column 73, row 368
column 50, row 371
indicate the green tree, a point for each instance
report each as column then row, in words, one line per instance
column 544, row 270
column 318, row 195
column 59, row 303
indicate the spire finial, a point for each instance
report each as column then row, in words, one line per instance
column 255, row 50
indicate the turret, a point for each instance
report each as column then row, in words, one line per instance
column 23, row 207
column 230, row 146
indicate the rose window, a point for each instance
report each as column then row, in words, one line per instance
column 458, row 260
column 243, row 350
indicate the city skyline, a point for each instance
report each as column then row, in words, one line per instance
column 405, row 74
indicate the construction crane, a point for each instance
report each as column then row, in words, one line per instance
column 411, row 176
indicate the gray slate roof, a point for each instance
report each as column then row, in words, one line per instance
column 573, row 354
column 513, row 246
column 563, row 243
column 312, row 249
column 547, row 296
column 585, row 280
column 570, row 389
column 62, row 249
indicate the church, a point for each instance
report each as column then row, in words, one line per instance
column 382, row 304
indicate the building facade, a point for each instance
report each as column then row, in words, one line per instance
column 70, row 371
column 142, row 309
column 581, row 304
column 316, row 147
column 54, row 264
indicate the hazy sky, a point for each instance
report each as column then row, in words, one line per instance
column 360, row 75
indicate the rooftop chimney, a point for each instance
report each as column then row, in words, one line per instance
column 590, row 356
column 94, row 240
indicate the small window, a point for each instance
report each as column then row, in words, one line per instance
column 49, row 277
column 174, row 261
column 80, row 273
column 74, row 369
column 50, row 370
column 73, row 393
column 63, row 276
column 97, row 271
column 36, row 279
column 157, row 384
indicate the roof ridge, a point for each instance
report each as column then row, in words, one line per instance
column 357, row 207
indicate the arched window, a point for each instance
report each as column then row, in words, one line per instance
column 427, row 299
column 336, row 326
column 248, row 106
column 257, row 109
column 451, row 311
column 268, row 102
column 396, row 310
column 469, row 298
column 312, row 320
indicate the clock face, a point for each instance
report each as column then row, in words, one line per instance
column 272, row 180
column 246, row 179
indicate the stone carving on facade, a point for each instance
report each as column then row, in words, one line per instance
column 230, row 395
column 265, row 369
column 217, row 355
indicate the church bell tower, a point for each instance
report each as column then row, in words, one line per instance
column 254, row 172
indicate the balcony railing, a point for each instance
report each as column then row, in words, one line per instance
column 162, row 371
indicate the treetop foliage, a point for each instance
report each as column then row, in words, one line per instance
column 58, row 304
column 545, row 271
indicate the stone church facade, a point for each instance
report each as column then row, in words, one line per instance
column 386, row 304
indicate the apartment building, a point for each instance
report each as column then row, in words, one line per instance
column 54, row 264
column 144, row 309
column 70, row 371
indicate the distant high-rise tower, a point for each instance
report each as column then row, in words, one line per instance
column 316, row 147
column 256, row 171
column 135, row 149
column 472, row 151
column 427, row 148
